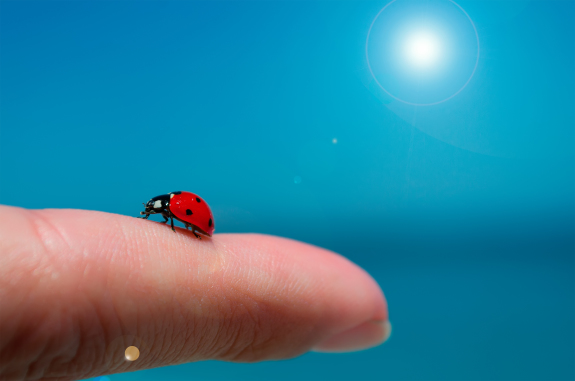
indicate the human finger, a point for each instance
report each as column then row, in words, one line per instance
column 79, row 287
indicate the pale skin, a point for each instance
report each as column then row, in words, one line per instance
column 79, row 287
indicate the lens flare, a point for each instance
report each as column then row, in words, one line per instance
column 132, row 353
column 422, row 52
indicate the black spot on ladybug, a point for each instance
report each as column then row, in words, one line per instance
column 198, row 199
column 188, row 212
column 178, row 192
column 210, row 222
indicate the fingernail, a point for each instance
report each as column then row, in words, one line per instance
column 363, row 336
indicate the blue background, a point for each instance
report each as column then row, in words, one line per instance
column 463, row 211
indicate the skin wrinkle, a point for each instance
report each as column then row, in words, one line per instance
column 22, row 341
column 189, row 336
column 224, row 324
column 249, row 315
column 200, row 332
column 53, row 348
column 102, row 333
column 68, row 348
column 247, row 327
column 37, row 217
column 245, row 346
column 192, row 308
column 179, row 349
column 39, row 347
column 226, row 352
column 160, row 331
column 267, row 290
column 211, row 342
column 218, row 315
column 93, row 341
column 229, row 348
column 36, row 261
column 249, row 319
column 211, row 348
column 87, row 323
column 121, row 328
column 175, row 346
column 13, row 318
column 121, row 242
column 120, row 254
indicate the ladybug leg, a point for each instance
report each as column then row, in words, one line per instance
column 147, row 214
column 194, row 231
column 172, row 222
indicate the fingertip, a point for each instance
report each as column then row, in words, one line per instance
column 364, row 336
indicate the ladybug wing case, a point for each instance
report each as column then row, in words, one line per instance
column 190, row 208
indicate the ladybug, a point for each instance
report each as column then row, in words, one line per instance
column 185, row 207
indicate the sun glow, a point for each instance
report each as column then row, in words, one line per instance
column 423, row 50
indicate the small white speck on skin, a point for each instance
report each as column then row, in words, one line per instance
column 55, row 275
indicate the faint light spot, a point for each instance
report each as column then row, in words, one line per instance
column 297, row 180
column 132, row 353
column 55, row 275
column 334, row 141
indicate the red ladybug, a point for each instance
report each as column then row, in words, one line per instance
column 185, row 207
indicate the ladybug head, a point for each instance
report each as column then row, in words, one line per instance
column 158, row 203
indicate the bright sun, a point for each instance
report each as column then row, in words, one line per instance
column 422, row 49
